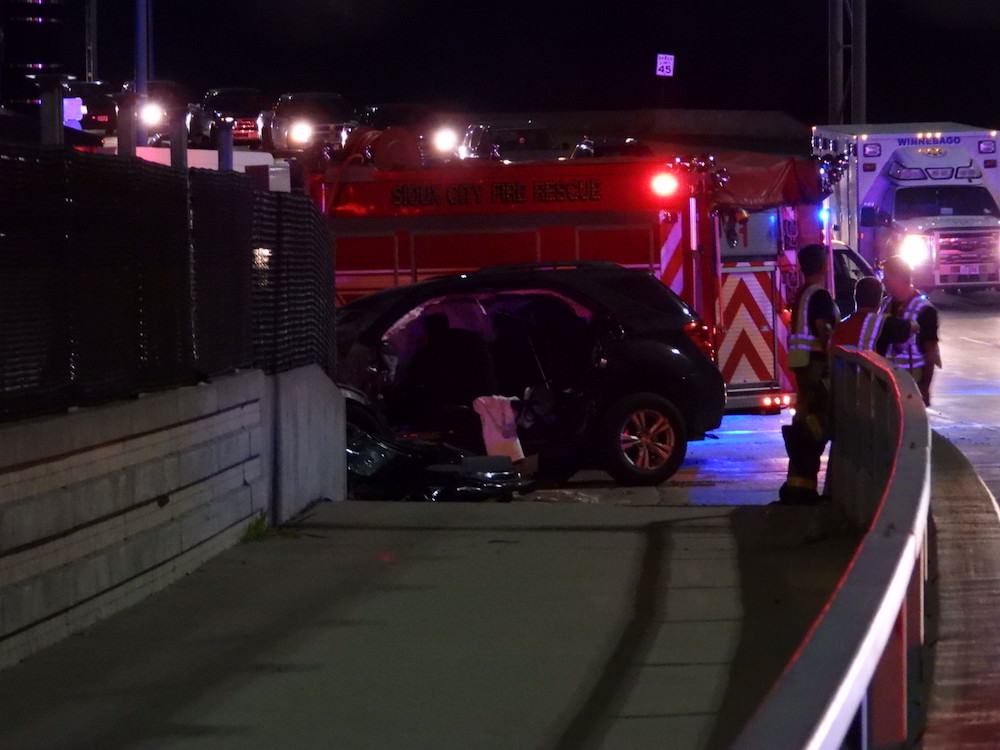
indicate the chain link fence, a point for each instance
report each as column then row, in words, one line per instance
column 118, row 276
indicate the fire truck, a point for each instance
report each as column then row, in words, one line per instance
column 724, row 241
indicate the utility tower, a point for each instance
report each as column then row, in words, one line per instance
column 848, row 32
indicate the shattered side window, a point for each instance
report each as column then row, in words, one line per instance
column 541, row 337
column 404, row 338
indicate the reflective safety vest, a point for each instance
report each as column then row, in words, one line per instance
column 860, row 330
column 907, row 356
column 801, row 341
column 871, row 327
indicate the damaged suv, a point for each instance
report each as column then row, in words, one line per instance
column 603, row 367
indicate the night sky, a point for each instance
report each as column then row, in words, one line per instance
column 928, row 60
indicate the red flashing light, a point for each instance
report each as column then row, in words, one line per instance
column 664, row 184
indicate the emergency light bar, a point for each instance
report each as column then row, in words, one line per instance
column 906, row 173
column 664, row 184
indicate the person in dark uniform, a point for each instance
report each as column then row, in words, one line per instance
column 869, row 327
column 814, row 315
column 919, row 354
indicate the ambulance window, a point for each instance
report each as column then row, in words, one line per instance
column 944, row 200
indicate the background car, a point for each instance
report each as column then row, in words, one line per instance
column 98, row 109
column 302, row 120
column 163, row 99
column 437, row 132
column 241, row 106
column 597, row 147
column 606, row 367
column 508, row 141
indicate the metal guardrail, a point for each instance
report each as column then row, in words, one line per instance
column 850, row 672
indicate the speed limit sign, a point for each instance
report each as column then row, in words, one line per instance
column 664, row 65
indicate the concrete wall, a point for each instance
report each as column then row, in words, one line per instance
column 310, row 455
column 102, row 506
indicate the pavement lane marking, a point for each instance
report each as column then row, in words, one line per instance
column 976, row 341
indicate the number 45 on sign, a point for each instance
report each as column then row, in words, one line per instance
column 664, row 65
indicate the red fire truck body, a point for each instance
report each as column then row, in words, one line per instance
column 393, row 227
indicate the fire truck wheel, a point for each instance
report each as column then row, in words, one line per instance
column 643, row 439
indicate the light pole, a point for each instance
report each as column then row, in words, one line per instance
column 854, row 14
column 90, row 40
column 141, row 65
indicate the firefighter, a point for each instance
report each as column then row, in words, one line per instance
column 919, row 354
column 869, row 327
column 814, row 316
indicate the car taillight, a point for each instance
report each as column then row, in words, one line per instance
column 703, row 336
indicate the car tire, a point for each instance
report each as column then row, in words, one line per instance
column 642, row 439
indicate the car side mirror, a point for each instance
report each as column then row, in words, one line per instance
column 868, row 217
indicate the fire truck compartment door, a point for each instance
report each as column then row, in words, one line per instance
column 748, row 349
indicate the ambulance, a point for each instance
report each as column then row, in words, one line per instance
column 925, row 191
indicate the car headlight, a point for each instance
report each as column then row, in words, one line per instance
column 300, row 132
column 915, row 249
column 445, row 140
column 152, row 114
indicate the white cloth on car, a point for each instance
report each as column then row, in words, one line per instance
column 499, row 426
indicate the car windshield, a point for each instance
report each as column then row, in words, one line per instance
column 414, row 117
column 90, row 88
column 526, row 140
column 331, row 108
column 944, row 200
column 226, row 100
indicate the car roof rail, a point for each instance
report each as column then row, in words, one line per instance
column 554, row 265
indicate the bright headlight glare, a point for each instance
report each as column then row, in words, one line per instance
column 300, row 132
column 915, row 250
column 445, row 140
column 152, row 114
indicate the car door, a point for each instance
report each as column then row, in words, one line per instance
column 848, row 267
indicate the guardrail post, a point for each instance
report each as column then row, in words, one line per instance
column 887, row 694
column 915, row 602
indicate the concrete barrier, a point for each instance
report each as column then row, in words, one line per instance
column 852, row 667
column 103, row 506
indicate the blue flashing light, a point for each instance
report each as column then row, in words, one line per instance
column 824, row 215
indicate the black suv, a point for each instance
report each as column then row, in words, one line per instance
column 604, row 366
